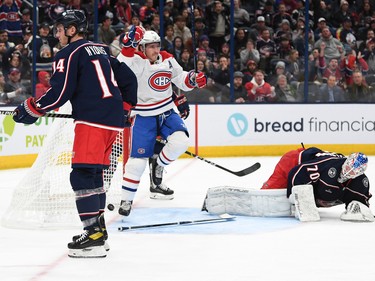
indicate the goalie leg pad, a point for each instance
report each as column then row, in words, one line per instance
column 303, row 199
column 357, row 212
column 247, row 202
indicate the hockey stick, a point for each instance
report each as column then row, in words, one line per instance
column 56, row 115
column 222, row 218
column 241, row 173
column 193, row 36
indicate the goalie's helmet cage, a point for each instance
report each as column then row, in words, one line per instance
column 75, row 18
column 150, row 37
column 354, row 166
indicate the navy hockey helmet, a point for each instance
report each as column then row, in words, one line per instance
column 75, row 18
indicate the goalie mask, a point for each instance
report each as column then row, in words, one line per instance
column 354, row 166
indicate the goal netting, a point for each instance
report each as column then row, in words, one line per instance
column 44, row 197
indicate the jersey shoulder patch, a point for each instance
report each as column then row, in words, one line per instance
column 165, row 55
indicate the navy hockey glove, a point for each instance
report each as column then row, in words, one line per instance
column 133, row 37
column 182, row 105
column 127, row 111
column 27, row 112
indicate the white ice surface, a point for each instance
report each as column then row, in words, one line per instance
column 247, row 249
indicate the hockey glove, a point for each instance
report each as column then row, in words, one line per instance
column 133, row 37
column 201, row 79
column 196, row 79
column 27, row 112
column 182, row 105
column 127, row 111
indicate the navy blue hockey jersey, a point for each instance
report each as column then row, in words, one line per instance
column 322, row 173
column 85, row 74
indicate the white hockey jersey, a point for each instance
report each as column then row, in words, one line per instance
column 155, row 81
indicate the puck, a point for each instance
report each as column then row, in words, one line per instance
column 110, row 207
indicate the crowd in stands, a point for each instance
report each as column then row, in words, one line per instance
column 269, row 46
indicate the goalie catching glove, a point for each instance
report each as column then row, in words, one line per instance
column 182, row 105
column 133, row 37
column 194, row 79
column 27, row 112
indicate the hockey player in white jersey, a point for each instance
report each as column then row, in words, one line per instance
column 154, row 113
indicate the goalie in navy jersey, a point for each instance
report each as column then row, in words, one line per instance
column 336, row 179
column 101, row 90
column 154, row 114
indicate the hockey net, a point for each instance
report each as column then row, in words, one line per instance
column 44, row 197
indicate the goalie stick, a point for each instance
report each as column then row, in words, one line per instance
column 221, row 218
column 55, row 115
column 241, row 173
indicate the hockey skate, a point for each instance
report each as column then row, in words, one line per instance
column 90, row 244
column 125, row 207
column 158, row 190
column 101, row 222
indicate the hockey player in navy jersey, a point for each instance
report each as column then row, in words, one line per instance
column 85, row 74
column 336, row 179
column 154, row 113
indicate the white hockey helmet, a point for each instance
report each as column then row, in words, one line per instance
column 149, row 37
column 354, row 166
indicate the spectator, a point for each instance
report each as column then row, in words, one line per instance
column 185, row 61
column 258, row 90
column 178, row 46
column 146, row 12
column 285, row 92
column 295, row 66
column 202, row 56
column 267, row 50
column 14, row 59
column 257, row 28
column 323, row 11
column 280, row 69
column 167, row 16
column 3, row 50
column 239, row 93
column 284, row 47
column 281, row 15
column 4, row 38
column 26, row 21
column 240, row 41
column 200, row 27
column 155, row 23
column 343, row 13
column 359, row 91
column 284, row 31
column 10, row 20
column 322, row 24
column 346, row 35
column 221, row 74
column 43, row 85
column 330, row 91
column 124, row 13
column 15, row 90
column 369, row 55
column 364, row 44
column 167, row 42
column 105, row 32
column 181, row 30
column 290, row 5
column 4, row 96
column 268, row 12
column 333, row 47
column 44, row 48
column 225, row 50
column 217, row 19
column 204, row 44
column 249, row 72
column 352, row 63
column 331, row 69
column 249, row 53
column 241, row 16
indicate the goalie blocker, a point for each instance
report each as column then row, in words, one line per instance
column 274, row 203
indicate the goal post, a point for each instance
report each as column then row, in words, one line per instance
column 44, row 197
